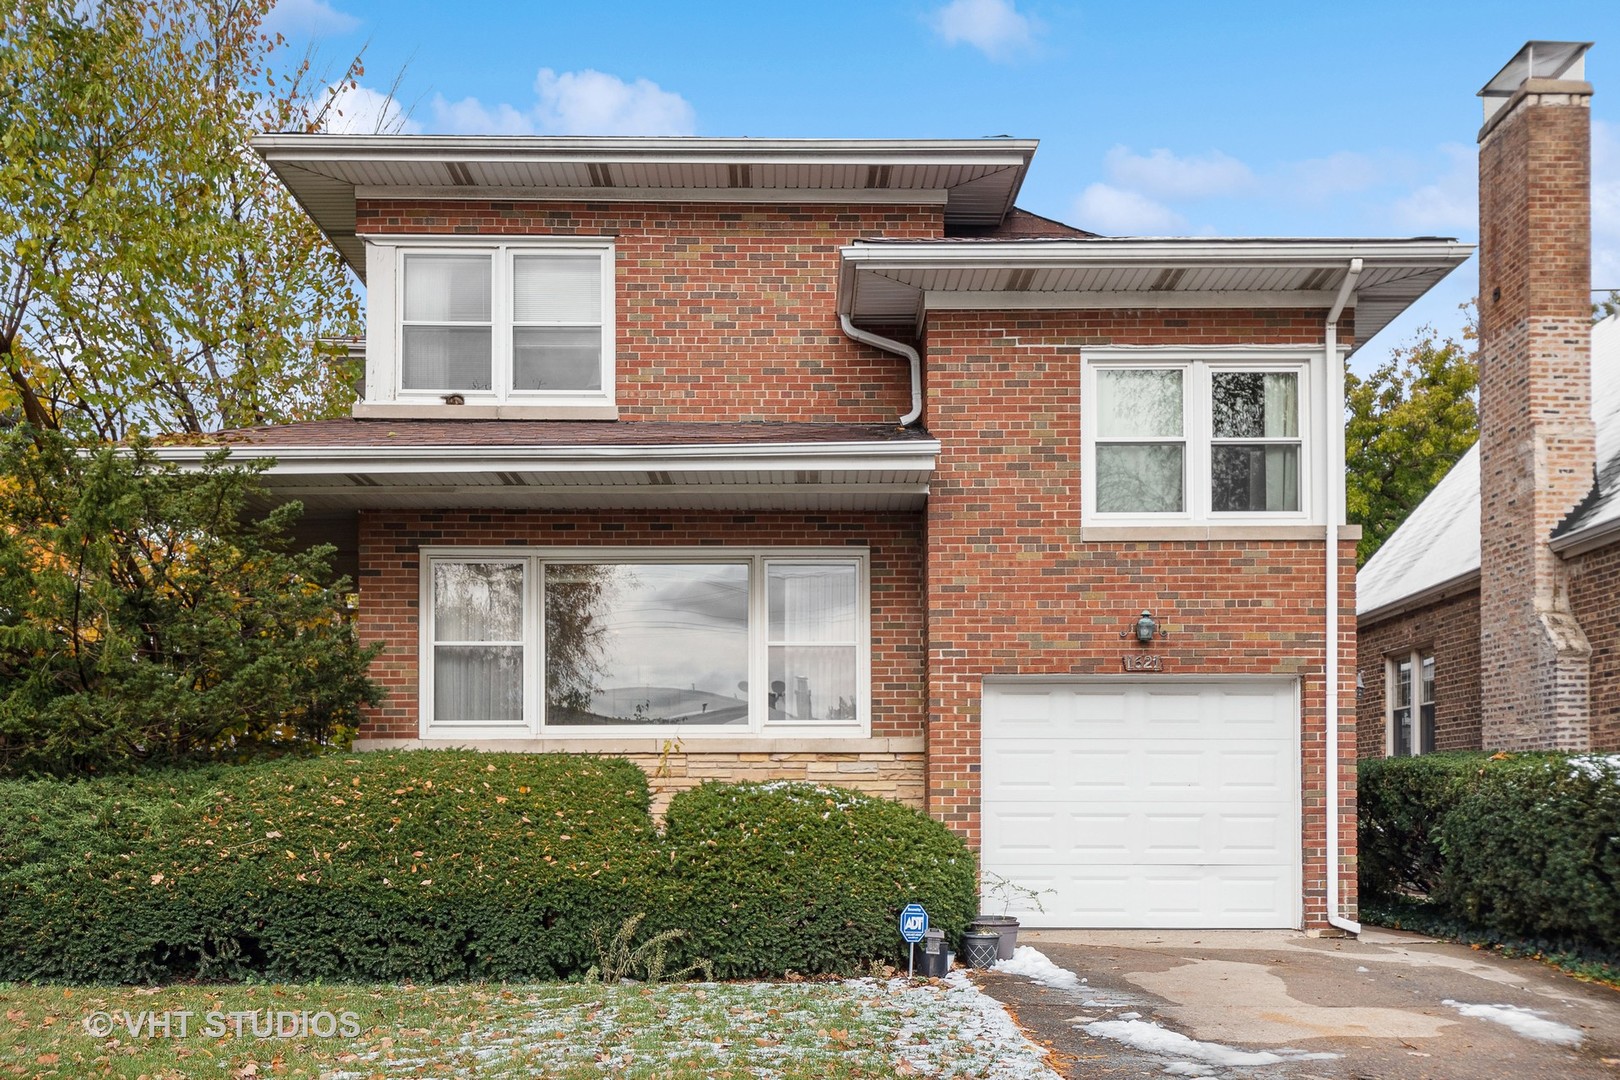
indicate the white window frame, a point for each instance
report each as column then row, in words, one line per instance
column 385, row 273
column 1392, row 667
column 758, row 559
column 1198, row 367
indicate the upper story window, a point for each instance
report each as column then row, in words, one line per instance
column 515, row 324
column 1174, row 439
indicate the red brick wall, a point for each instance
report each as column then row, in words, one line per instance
column 1594, row 595
column 1013, row 589
column 724, row 312
column 1449, row 629
column 390, row 581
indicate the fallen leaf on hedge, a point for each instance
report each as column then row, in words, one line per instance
column 273, row 834
column 157, row 879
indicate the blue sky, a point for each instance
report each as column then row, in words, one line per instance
column 1154, row 118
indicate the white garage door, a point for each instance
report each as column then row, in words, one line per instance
column 1145, row 804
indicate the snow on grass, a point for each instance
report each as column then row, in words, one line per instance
column 1150, row 1037
column 1031, row 963
column 1527, row 1022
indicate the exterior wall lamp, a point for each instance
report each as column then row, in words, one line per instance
column 1145, row 629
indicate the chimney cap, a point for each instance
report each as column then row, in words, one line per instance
column 1538, row 60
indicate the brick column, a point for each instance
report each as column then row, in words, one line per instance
column 1536, row 435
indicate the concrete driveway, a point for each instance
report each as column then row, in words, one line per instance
column 1280, row 1004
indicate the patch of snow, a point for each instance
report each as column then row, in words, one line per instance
column 1527, row 1022
column 1362, row 971
column 1154, row 1039
column 1188, row 1068
column 1130, row 1016
column 1031, row 963
column 1596, row 766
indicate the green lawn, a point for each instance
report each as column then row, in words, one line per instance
column 820, row 1030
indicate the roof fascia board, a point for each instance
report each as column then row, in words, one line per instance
column 1445, row 590
column 308, row 149
column 1584, row 539
column 917, row 454
column 1102, row 253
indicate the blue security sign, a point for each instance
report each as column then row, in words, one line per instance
column 913, row 923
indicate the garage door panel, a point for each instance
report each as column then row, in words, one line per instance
column 1146, row 804
column 1127, row 895
column 1228, row 834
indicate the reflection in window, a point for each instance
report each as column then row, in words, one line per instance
column 1254, row 456
column 646, row 643
column 1411, row 704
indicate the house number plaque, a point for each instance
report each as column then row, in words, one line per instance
column 1142, row 662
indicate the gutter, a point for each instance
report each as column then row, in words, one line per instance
column 899, row 349
column 1467, row 581
column 1333, row 399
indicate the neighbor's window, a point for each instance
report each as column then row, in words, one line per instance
column 521, row 322
column 691, row 642
column 1411, row 704
column 1193, row 440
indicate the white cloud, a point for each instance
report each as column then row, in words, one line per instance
column 573, row 103
column 994, row 27
column 1605, row 205
column 1163, row 174
column 308, row 18
column 1109, row 209
column 360, row 110
column 593, row 103
column 1450, row 202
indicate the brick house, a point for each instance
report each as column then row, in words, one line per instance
column 1487, row 620
column 819, row 459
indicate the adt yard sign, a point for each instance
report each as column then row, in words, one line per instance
column 913, row 923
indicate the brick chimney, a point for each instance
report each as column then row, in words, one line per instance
column 1537, row 447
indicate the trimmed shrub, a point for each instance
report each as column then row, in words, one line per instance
column 1401, row 801
column 1532, row 851
column 445, row 865
column 426, row 865
column 1518, row 847
column 777, row 877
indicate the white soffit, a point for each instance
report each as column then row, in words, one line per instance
column 897, row 282
column 977, row 179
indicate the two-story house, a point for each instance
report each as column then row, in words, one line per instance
column 818, row 459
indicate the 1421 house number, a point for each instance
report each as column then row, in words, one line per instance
column 1142, row 662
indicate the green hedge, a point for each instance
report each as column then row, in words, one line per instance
column 443, row 865
column 778, row 877
column 1523, row 847
column 425, row 865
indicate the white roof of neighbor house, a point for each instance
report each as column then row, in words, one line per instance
column 1435, row 546
column 1438, row 545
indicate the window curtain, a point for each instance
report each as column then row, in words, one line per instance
column 1282, row 462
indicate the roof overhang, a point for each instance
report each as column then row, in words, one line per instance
column 807, row 476
column 893, row 283
column 975, row 180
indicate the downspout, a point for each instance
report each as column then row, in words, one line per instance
column 1333, row 403
column 899, row 349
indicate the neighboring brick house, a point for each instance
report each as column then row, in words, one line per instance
column 1525, row 655
column 819, row 459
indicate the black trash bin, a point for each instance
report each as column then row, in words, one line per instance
column 936, row 960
